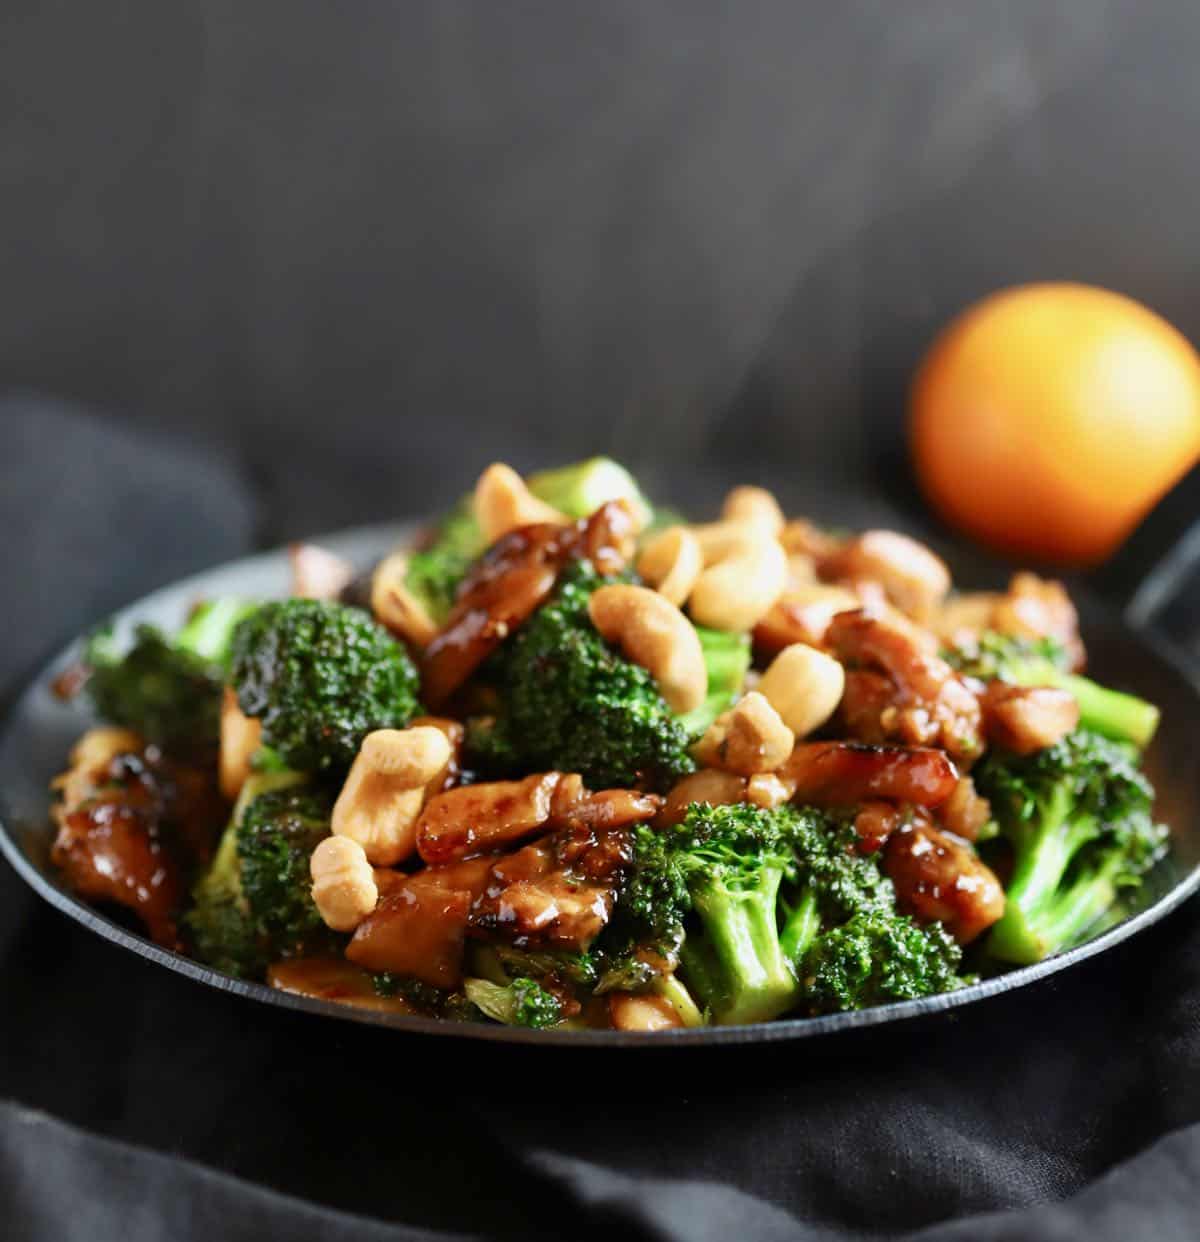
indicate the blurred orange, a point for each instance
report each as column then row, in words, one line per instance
column 1047, row 419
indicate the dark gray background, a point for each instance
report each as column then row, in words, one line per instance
column 424, row 233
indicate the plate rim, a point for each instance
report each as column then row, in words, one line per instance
column 781, row 1029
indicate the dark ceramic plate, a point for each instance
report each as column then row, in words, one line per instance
column 40, row 730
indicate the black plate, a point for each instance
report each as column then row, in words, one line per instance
column 40, row 730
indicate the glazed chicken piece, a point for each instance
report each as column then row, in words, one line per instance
column 938, row 876
column 130, row 824
column 897, row 690
column 1025, row 719
column 847, row 773
column 912, row 577
column 965, row 811
column 874, row 823
column 558, row 892
column 512, row 579
column 478, row 819
column 1032, row 607
column 419, row 927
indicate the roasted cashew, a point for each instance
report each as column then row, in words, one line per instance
column 240, row 738
column 671, row 562
column 754, row 506
column 503, row 502
column 708, row 785
column 652, row 632
column 396, row 607
column 343, row 883
column 804, row 686
column 748, row 739
column 746, row 574
column 386, row 788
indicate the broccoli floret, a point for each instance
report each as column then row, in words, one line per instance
column 320, row 676
column 878, row 957
column 253, row 906
column 571, row 701
column 168, row 690
column 756, row 894
column 425, row 998
column 727, row 659
column 1078, row 818
column 577, row 490
column 1041, row 662
column 435, row 572
column 523, row 1002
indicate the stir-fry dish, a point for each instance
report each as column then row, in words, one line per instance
column 576, row 762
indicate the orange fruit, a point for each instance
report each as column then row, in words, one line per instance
column 1047, row 419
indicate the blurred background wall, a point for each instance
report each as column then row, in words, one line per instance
column 362, row 247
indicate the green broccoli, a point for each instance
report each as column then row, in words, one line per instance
column 727, row 659
column 876, row 957
column 580, row 489
column 577, row 490
column 570, row 701
column 1078, row 818
column 320, row 676
column 1041, row 662
column 435, row 572
column 523, row 1002
column 253, row 905
column 757, row 894
column 426, row 999
column 168, row 690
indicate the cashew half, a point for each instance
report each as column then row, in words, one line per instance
column 240, row 738
column 738, row 589
column 386, row 789
column 652, row 632
column 804, row 686
column 343, row 883
column 671, row 562
column 754, row 506
column 748, row 739
column 503, row 502
column 396, row 607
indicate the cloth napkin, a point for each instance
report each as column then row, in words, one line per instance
column 143, row 1106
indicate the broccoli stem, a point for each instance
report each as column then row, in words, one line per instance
column 208, row 633
column 800, row 928
column 754, row 981
column 1038, row 920
column 1122, row 717
column 680, row 999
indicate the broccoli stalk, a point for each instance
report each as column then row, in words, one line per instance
column 1077, row 816
column 1111, row 713
column 208, row 632
column 727, row 659
column 737, row 964
column 579, row 490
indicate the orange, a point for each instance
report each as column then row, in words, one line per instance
column 1047, row 419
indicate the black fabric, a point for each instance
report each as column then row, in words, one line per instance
column 1008, row 1107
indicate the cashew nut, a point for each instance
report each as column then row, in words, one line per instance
column 652, row 632
column 804, row 686
column 754, row 506
column 98, row 747
column 671, row 562
column 396, row 607
column 747, row 739
column 503, row 502
column 739, row 587
column 386, row 789
column 343, row 883
column 240, row 738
